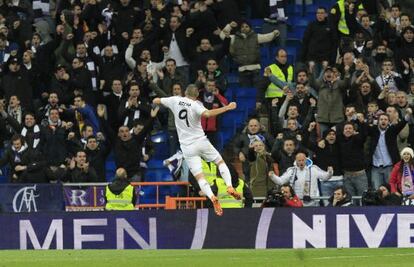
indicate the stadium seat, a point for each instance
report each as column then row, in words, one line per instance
column 245, row 92
column 155, row 163
column 264, row 51
column 247, row 103
column 298, row 21
column 160, row 137
column 233, row 79
column 311, row 9
column 110, row 168
column 256, row 24
column 297, row 32
column 293, row 9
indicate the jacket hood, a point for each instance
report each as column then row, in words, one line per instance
column 118, row 185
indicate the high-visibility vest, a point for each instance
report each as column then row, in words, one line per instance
column 227, row 201
column 210, row 171
column 274, row 91
column 123, row 201
column 342, row 26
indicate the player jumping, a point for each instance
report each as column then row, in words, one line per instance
column 193, row 141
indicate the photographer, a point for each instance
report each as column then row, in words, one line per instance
column 282, row 197
column 381, row 197
column 291, row 199
column 386, row 198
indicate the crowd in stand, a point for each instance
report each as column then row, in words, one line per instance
column 78, row 78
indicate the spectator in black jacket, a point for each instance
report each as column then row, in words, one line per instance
column 112, row 103
column 97, row 151
column 326, row 154
column 133, row 108
column 53, row 136
column 17, row 82
column 317, row 43
column 26, row 164
column 81, row 81
column 176, row 39
column 351, row 146
column 80, row 170
column 127, row 147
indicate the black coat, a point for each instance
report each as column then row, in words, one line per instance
column 124, row 112
column 390, row 139
column 97, row 160
column 128, row 153
column 112, row 103
column 78, row 176
column 30, row 158
column 18, row 83
column 318, row 42
column 50, row 141
column 180, row 37
column 352, row 150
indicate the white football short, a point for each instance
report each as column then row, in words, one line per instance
column 200, row 149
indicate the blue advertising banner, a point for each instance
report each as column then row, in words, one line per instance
column 196, row 229
column 31, row 197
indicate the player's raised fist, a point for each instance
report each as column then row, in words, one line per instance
column 232, row 106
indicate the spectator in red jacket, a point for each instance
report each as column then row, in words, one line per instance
column 401, row 178
column 291, row 199
column 211, row 98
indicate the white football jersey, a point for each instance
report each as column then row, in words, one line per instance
column 187, row 117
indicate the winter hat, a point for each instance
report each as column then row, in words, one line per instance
column 407, row 150
column 326, row 132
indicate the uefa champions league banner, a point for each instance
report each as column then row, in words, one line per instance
column 199, row 229
column 30, row 197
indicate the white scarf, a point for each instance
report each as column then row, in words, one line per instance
column 36, row 131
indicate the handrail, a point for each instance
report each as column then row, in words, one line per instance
column 171, row 202
column 159, row 183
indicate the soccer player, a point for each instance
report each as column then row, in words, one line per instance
column 193, row 141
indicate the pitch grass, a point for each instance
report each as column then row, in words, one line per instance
column 209, row 258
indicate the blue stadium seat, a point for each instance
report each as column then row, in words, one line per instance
column 297, row 33
column 245, row 92
column 233, row 79
column 227, row 136
column 227, row 122
column 293, row 9
column 110, row 168
column 247, row 103
column 160, row 137
column 311, row 9
column 298, row 21
column 264, row 51
column 256, row 24
column 155, row 163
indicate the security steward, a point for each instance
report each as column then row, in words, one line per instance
column 342, row 18
column 120, row 195
column 209, row 170
column 219, row 188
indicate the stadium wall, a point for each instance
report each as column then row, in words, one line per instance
column 200, row 229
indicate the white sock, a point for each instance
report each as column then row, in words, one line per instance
column 205, row 187
column 225, row 173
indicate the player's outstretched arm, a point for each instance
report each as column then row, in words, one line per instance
column 218, row 111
